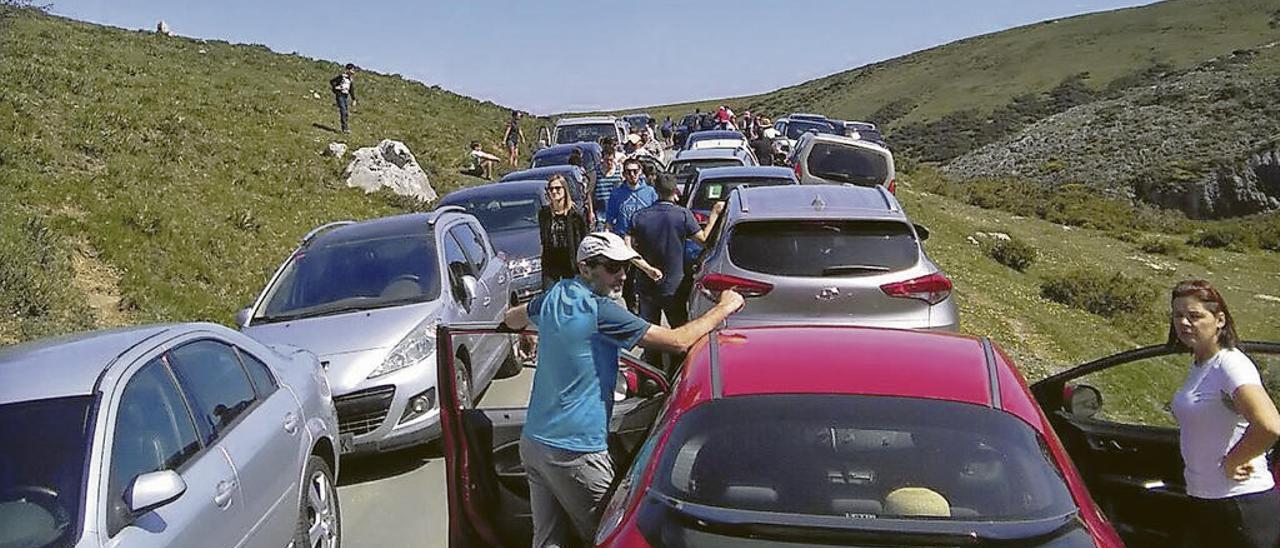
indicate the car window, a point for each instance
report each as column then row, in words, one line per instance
column 44, row 446
column 456, row 262
column 796, row 128
column 503, row 212
column 215, row 383
column 585, row 132
column 847, row 164
column 845, row 455
column 823, row 248
column 715, row 190
column 264, row 382
column 473, row 245
column 153, row 432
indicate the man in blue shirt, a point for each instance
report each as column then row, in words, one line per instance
column 659, row 232
column 628, row 198
column 580, row 332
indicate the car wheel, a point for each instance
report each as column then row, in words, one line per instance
column 511, row 366
column 319, row 520
column 462, row 381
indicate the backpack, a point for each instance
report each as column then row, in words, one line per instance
column 335, row 84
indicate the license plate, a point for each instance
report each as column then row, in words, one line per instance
column 346, row 443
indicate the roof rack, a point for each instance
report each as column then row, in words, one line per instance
column 742, row 200
column 317, row 230
column 435, row 215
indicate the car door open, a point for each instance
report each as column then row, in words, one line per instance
column 488, row 493
column 1112, row 415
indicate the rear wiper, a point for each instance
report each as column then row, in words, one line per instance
column 853, row 269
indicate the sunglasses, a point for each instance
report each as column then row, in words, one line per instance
column 555, row 189
column 631, row 171
column 612, row 267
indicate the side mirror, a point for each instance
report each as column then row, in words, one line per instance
column 469, row 290
column 242, row 316
column 1083, row 401
column 922, row 232
column 153, row 490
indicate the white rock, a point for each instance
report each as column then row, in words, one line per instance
column 1269, row 298
column 201, row 51
column 389, row 165
column 315, row 95
column 972, row 240
column 1000, row 236
column 336, row 150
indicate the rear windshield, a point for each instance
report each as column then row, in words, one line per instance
column 848, row 164
column 579, row 133
column 823, row 248
column 689, row 167
column 710, row 192
column 349, row 275
column 796, row 128
column 503, row 212
column 864, row 457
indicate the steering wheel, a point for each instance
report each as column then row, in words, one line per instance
column 39, row 495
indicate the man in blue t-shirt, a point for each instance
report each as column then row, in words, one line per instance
column 659, row 232
column 580, row 332
column 628, row 198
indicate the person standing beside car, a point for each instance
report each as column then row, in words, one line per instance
column 581, row 330
column 561, row 226
column 628, row 198
column 1227, row 423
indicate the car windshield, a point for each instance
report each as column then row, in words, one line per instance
column 688, row 168
column 715, row 190
column 504, row 212
column 578, row 133
column 43, row 447
column 848, row 164
column 823, row 248
column 357, row 274
column 799, row 459
column 796, row 128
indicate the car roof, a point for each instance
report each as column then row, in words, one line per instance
column 741, row 172
column 409, row 223
column 543, row 173
column 66, row 366
column 817, row 202
column 565, row 148
column 501, row 189
column 848, row 360
column 841, row 139
column 717, row 134
column 586, row 120
column 710, row 154
column 807, row 116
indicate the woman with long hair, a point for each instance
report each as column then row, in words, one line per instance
column 1227, row 424
column 562, row 227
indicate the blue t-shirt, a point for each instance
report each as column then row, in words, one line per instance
column 625, row 202
column 579, row 336
column 659, row 232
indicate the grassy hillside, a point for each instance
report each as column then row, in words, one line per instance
column 147, row 178
column 988, row 72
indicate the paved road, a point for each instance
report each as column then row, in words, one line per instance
column 398, row 499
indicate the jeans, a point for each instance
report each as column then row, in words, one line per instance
column 1245, row 521
column 344, row 108
column 566, row 489
column 652, row 307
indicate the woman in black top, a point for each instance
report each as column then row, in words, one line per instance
column 562, row 227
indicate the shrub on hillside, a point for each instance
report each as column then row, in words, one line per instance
column 1162, row 246
column 1107, row 295
column 1013, row 253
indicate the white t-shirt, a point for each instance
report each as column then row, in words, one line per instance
column 1211, row 426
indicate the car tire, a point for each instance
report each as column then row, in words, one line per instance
column 511, row 366
column 319, row 518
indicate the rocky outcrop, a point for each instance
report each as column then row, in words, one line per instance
column 389, row 165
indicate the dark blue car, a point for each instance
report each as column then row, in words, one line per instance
column 575, row 175
column 558, row 155
column 509, row 213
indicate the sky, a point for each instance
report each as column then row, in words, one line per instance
column 552, row 56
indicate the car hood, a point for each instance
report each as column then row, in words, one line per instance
column 518, row 243
column 326, row 336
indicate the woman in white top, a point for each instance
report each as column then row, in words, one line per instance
column 1227, row 424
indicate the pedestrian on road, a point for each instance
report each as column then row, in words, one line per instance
column 564, row 445
column 763, row 148
column 344, row 93
column 1227, row 423
column 609, row 177
column 561, row 226
column 628, row 198
column 513, row 137
column 659, row 232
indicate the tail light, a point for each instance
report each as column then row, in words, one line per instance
column 700, row 217
column 893, row 185
column 932, row 289
column 797, row 168
column 747, row 288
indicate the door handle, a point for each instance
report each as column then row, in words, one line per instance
column 223, row 492
column 291, row 423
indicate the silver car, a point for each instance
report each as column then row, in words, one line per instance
column 823, row 254
column 171, row 435
column 366, row 298
column 821, row 158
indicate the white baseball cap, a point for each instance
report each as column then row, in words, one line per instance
column 608, row 244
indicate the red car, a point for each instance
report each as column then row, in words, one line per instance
column 821, row 435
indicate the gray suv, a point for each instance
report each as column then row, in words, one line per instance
column 366, row 297
column 187, row 435
column 823, row 254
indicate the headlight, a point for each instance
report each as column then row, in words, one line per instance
column 528, row 266
column 418, row 345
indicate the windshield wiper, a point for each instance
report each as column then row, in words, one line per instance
column 837, row 270
column 329, row 310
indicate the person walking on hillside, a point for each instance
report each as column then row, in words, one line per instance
column 1227, row 423
column 561, row 226
column 344, row 93
column 659, row 233
column 564, row 442
column 513, row 137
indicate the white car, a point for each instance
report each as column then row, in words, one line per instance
column 822, row 158
column 589, row 129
